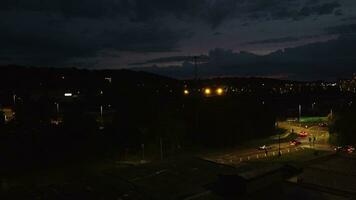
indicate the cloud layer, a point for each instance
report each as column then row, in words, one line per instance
column 323, row 60
column 92, row 33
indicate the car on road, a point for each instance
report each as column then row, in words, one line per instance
column 303, row 134
column 323, row 124
column 264, row 147
column 295, row 142
column 346, row 149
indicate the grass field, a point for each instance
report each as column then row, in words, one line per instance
column 313, row 119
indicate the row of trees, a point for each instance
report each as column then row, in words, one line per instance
column 343, row 125
column 177, row 123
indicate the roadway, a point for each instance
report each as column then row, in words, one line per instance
column 321, row 135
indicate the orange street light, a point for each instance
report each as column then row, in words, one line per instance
column 219, row 91
column 207, row 91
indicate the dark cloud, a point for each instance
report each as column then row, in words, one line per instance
column 166, row 60
column 62, row 31
column 291, row 9
column 282, row 40
column 39, row 38
column 212, row 11
column 334, row 30
column 174, row 59
column 338, row 12
column 346, row 29
column 350, row 18
column 323, row 60
column 327, row 8
column 322, row 9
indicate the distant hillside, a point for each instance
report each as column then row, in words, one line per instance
column 13, row 76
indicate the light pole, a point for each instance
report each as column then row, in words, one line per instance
column 101, row 111
column 279, row 140
column 14, row 98
column 161, row 147
column 57, row 107
column 143, row 151
column 300, row 112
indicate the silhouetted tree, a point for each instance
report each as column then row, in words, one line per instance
column 343, row 126
column 2, row 118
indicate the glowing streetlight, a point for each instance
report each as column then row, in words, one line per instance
column 219, row 91
column 207, row 91
column 186, row 92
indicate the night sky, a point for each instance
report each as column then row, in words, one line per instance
column 289, row 39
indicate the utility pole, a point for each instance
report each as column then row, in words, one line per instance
column 279, row 140
column 196, row 96
column 161, row 147
column 57, row 107
column 143, row 151
column 279, row 145
column 195, row 69
column 14, row 98
column 300, row 112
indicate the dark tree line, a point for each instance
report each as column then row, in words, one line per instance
column 343, row 125
column 138, row 120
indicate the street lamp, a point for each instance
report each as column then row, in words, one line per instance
column 219, row 91
column 207, row 91
column 300, row 111
column 101, row 111
column 279, row 139
column 14, row 98
column 186, row 92
column 57, row 107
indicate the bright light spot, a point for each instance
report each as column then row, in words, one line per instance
column 207, row 91
column 68, row 94
column 186, row 92
column 219, row 91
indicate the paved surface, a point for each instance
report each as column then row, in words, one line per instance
column 321, row 135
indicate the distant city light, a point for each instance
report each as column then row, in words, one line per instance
column 68, row 94
column 186, row 92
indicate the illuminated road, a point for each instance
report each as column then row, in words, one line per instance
column 321, row 143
